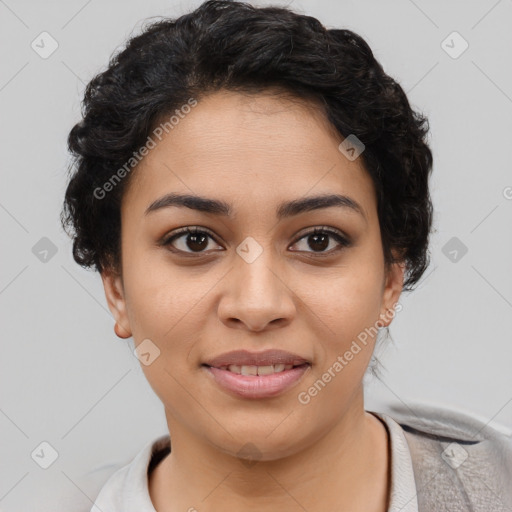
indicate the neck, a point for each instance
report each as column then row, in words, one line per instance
column 346, row 468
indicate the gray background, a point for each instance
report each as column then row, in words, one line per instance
column 67, row 380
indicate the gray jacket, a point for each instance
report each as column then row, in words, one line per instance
column 460, row 464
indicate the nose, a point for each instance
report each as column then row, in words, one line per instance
column 256, row 297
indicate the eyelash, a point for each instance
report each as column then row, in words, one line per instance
column 341, row 239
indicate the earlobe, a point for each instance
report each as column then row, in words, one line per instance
column 114, row 293
column 121, row 332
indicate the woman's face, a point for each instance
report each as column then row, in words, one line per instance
column 255, row 279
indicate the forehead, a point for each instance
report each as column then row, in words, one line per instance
column 249, row 147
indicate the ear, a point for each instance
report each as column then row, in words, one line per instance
column 393, row 285
column 114, row 293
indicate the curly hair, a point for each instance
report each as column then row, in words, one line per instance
column 238, row 47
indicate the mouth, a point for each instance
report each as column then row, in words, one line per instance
column 256, row 375
column 258, row 370
column 246, row 374
column 267, row 361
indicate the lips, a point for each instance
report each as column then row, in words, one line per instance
column 265, row 358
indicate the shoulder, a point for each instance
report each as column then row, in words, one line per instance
column 126, row 489
column 461, row 462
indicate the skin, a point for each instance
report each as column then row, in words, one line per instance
column 253, row 152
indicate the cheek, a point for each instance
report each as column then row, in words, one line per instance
column 158, row 295
column 169, row 306
column 344, row 349
column 352, row 299
column 350, row 308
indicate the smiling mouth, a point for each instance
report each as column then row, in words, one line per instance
column 258, row 370
column 257, row 382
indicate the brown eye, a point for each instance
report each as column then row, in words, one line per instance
column 189, row 240
column 320, row 239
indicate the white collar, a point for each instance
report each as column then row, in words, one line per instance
column 127, row 489
column 403, row 486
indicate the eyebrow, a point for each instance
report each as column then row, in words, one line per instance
column 284, row 210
